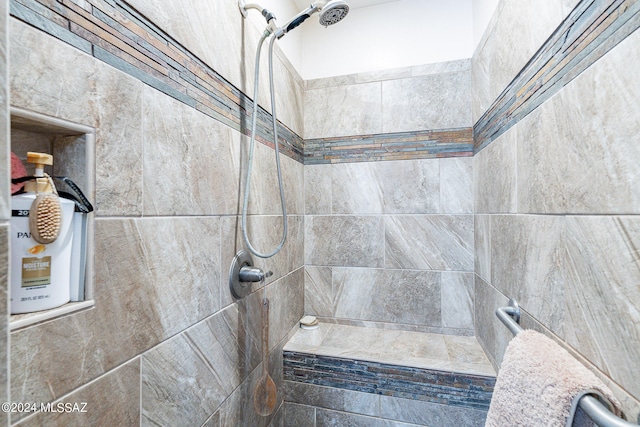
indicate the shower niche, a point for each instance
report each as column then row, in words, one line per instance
column 72, row 147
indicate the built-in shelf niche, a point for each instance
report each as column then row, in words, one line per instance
column 72, row 146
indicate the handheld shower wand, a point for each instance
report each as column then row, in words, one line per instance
column 331, row 12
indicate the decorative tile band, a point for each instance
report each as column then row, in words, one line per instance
column 592, row 29
column 113, row 32
column 390, row 146
column 447, row 388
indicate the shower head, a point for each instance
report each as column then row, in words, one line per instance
column 333, row 12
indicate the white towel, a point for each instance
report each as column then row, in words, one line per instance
column 539, row 385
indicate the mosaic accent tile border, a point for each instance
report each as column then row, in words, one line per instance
column 115, row 33
column 447, row 388
column 390, row 146
column 592, row 29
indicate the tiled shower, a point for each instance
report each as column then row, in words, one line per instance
column 419, row 199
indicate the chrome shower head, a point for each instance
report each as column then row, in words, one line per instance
column 332, row 12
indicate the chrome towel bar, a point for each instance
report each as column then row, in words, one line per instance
column 600, row 415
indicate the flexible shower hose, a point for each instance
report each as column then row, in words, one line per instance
column 245, row 204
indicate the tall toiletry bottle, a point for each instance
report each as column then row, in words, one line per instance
column 40, row 272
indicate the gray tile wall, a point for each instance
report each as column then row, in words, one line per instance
column 401, row 100
column 165, row 339
column 391, row 243
column 309, row 405
column 557, row 204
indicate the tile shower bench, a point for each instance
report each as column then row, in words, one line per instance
column 340, row 375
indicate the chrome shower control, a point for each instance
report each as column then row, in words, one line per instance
column 252, row 274
column 242, row 274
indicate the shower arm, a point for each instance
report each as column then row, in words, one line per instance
column 268, row 15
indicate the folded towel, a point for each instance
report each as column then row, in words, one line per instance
column 539, row 384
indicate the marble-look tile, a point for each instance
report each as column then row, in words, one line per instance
column 391, row 347
column 185, row 379
column 264, row 232
column 385, row 74
column 22, row 141
column 295, row 250
column 113, row 399
column 466, row 355
column 429, row 329
column 185, row 289
column 308, row 340
column 630, row 405
column 456, row 185
column 41, row 80
column 213, row 421
column 191, row 162
column 492, row 335
column 220, row 46
column 92, row 94
column 509, row 43
column 443, row 102
column 327, row 418
column 325, row 82
column 229, row 48
column 429, row 414
column 356, row 189
column 352, row 342
column 286, row 305
column 441, row 67
column 598, row 175
column 409, row 186
column 482, row 246
column 119, row 143
column 527, row 263
column 299, row 415
column 317, row 189
column 390, row 74
column 278, row 419
column 75, row 165
column 331, row 398
column 457, row 299
column 343, row 111
column 494, row 175
column 602, row 296
column 289, row 95
column 141, row 299
column 420, row 350
column 238, row 409
column 264, row 197
column 230, row 244
column 356, row 241
column 293, row 184
column 432, row 242
column 400, row 296
column 318, row 291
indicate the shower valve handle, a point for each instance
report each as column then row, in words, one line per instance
column 253, row 274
